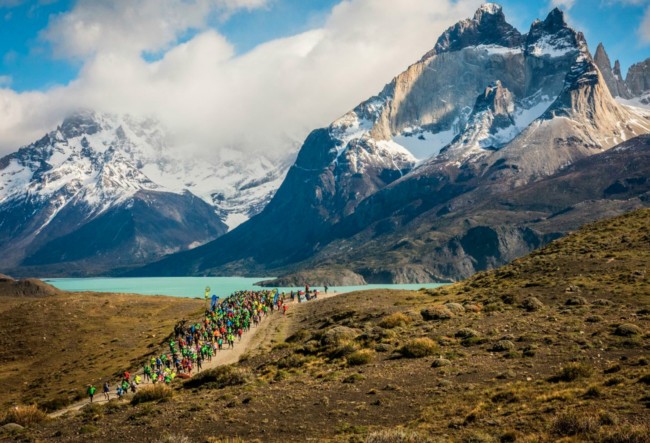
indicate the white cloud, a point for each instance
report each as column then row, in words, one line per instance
column 644, row 27
column 565, row 4
column 124, row 25
column 626, row 2
column 212, row 99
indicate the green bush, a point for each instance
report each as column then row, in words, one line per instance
column 418, row 348
column 358, row 358
column 394, row 320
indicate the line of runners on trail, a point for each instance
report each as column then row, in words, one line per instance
column 192, row 344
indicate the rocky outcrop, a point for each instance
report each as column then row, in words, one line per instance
column 487, row 27
column 638, row 78
column 31, row 287
column 316, row 277
column 612, row 77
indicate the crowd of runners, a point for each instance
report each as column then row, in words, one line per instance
column 193, row 344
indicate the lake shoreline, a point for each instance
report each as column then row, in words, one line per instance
column 195, row 287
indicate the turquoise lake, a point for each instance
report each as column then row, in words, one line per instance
column 192, row 286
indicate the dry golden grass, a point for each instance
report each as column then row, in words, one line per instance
column 24, row 415
column 52, row 347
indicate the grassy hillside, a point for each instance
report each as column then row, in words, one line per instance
column 553, row 347
column 52, row 346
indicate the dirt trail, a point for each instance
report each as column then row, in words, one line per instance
column 250, row 341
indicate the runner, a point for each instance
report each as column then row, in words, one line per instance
column 91, row 392
column 107, row 390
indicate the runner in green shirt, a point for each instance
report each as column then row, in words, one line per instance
column 91, row 392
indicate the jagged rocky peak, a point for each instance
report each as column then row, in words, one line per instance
column 602, row 59
column 487, row 27
column 80, row 123
column 638, row 78
column 617, row 70
column 553, row 37
column 613, row 78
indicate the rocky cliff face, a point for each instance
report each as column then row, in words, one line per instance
column 638, row 78
column 634, row 89
column 612, row 76
column 487, row 112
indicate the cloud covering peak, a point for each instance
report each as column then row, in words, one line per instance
column 211, row 98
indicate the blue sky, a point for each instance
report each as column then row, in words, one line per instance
column 28, row 61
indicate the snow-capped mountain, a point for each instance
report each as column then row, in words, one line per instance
column 394, row 189
column 95, row 164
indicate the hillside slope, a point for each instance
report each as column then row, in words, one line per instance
column 52, row 346
column 552, row 346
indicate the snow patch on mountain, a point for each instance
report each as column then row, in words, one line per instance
column 551, row 46
column 102, row 160
column 423, row 144
column 498, row 50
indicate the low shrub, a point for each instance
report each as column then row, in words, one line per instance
column 645, row 379
column 627, row 434
column 353, row 378
column 477, row 437
column 174, row 438
column 396, row 436
column 467, row 333
column 24, row 415
column 54, row 404
column 436, row 313
column 300, row 336
column 342, row 351
column 337, row 336
column 593, row 391
column 358, row 358
column 418, row 348
column 455, row 308
column 505, row 397
column 219, row 378
column 291, row 361
column 156, row 392
column 440, row 362
column 502, row 346
column 394, row 320
column 532, row 304
column 571, row 372
column 627, row 330
column 576, row 301
column 574, row 423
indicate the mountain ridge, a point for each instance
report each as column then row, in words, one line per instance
column 96, row 167
column 554, row 109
